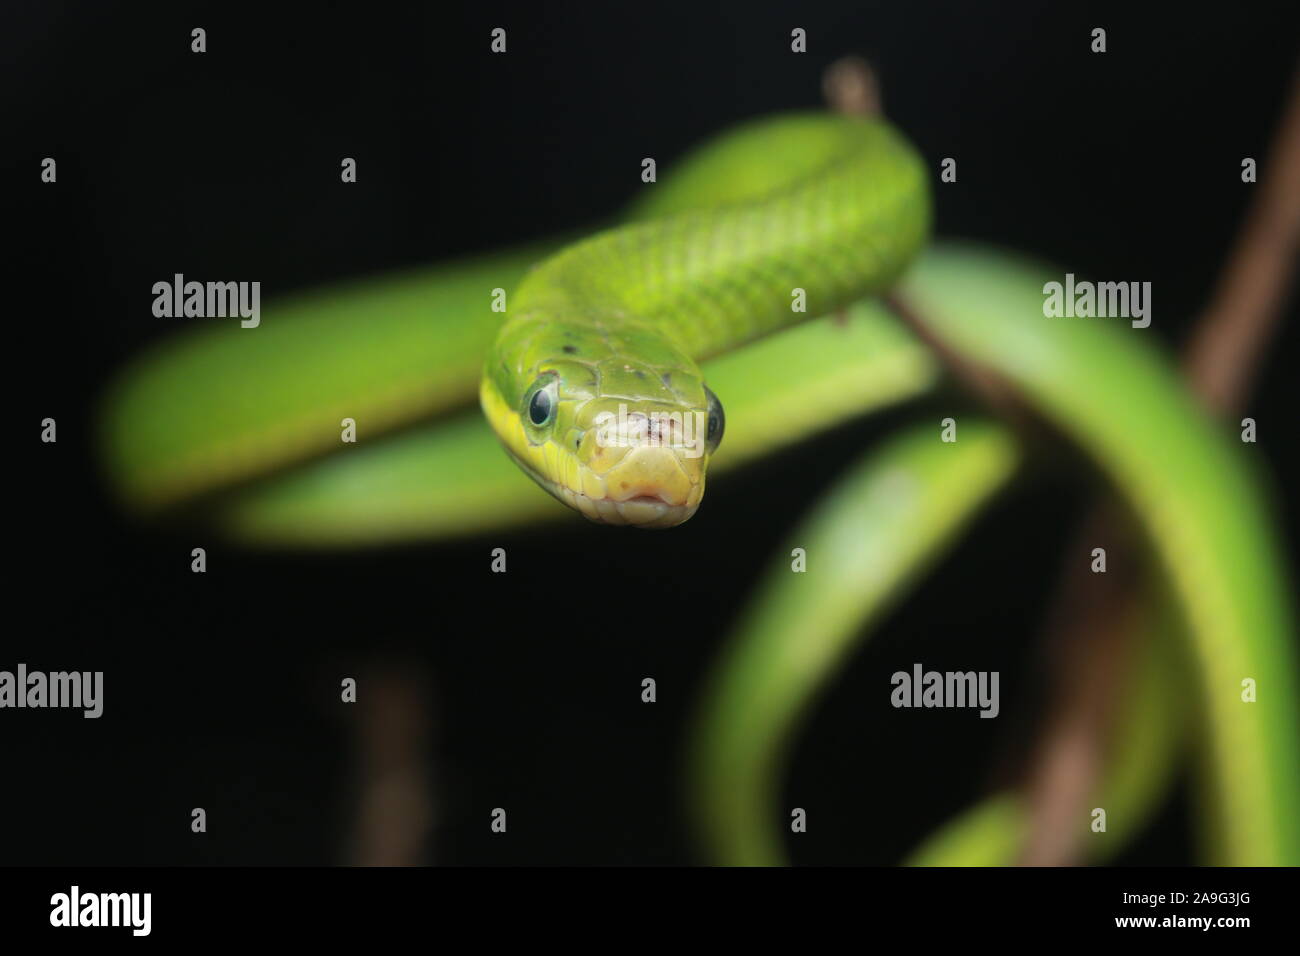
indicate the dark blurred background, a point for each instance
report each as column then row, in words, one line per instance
column 222, row 688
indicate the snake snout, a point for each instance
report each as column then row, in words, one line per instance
column 677, row 429
column 651, row 486
column 653, row 472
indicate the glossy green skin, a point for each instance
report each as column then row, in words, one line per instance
column 866, row 540
column 1188, row 488
column 618, row 321
column 229, row 405
column 1193, row 494
column 225, row 404
column 452, row 479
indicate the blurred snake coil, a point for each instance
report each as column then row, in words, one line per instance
column 687, row 308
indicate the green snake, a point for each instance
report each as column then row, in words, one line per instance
column 605, row 380
column 593, row 384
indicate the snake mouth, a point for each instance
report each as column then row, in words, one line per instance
column 637, row 511
column 640, row 511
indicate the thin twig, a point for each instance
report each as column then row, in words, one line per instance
column 395, row 807
column 1224, row 349
column 850, row 87
column 1093, row 614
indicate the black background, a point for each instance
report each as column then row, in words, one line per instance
column 221, row 689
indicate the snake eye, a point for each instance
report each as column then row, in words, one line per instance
column 542, row 405
column 717, row 422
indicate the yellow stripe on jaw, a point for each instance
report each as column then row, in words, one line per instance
column 622, row 496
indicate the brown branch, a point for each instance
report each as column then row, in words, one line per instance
column 1225, row 348
column 395, row 807
column 1093, row 630
column 978, row 379
column 850, row 87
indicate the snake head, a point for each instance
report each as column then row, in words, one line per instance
column 623, row 441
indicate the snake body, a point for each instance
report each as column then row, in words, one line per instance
column 593, row 384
